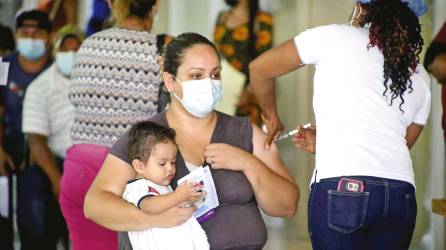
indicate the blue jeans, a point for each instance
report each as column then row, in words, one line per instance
column 382, row 217
column 39, row 218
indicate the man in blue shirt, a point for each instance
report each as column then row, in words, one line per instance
column 32, row 35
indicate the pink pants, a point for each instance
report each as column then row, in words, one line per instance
column 81, row 165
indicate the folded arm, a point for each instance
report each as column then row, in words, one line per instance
column 105, row 206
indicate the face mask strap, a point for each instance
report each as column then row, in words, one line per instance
column 172, row 93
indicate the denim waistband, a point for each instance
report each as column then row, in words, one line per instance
column 371, row 180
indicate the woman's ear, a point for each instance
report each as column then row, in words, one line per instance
column 169, row 81
column 138, row 166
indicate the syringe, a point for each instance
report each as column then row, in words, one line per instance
column 292, row 132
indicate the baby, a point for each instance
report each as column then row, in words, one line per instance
column 152, row 151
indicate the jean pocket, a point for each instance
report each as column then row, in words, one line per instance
column 347, row 210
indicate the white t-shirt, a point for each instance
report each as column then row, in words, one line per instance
column 188, row 236
column 358, row 133
column 47, row 110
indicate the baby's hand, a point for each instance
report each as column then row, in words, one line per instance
column 189, row 192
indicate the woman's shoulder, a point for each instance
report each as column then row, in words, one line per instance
column 222, row 15
column 229, row 120
column 119, row 36
column 236, row 130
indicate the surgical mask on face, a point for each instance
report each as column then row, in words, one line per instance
column 200, row 96
column 31, row 49
column 65, row 62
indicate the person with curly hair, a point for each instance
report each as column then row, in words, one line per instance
column 371, row 101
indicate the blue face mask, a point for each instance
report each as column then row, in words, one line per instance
column 65, row 62
column 31, row 49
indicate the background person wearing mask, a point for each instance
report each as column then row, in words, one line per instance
column 32, row 35
column 371, row 102
column 115, row 83
column 47, row 119
column 435, row 63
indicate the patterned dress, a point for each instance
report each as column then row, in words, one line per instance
column 233, row 44
column 115, row 83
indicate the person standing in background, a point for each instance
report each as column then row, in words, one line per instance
column 435, row 63
column 61, row 12
column 100, row 16
column 47, row 119
column 371, row 103
column 32, row 33
column 7, row 43
column 241, row 34
column 115, row 84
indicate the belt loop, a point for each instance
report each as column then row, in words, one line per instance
column 386, row 196
column 315, row 176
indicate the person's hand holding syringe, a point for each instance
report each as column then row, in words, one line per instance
column 305, row 137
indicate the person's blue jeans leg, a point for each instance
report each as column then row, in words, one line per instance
column 381, row 217
column 40, row 221
column 6, row 229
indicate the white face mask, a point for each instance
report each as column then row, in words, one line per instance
column 65, row 62
column 200, row 96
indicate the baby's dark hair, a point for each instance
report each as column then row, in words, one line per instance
column 143, row 136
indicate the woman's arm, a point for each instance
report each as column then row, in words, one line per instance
column 267, row 172
column 262, row 72
column 275, row 189
column 413, row 131
column 104, row 205
column 45, row 160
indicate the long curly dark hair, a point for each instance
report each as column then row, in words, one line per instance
column 395, row 30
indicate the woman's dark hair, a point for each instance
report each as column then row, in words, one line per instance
column 395, row 30
column 174, row 51
column 143, row 136
column 42, row 19
column 123, row 9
